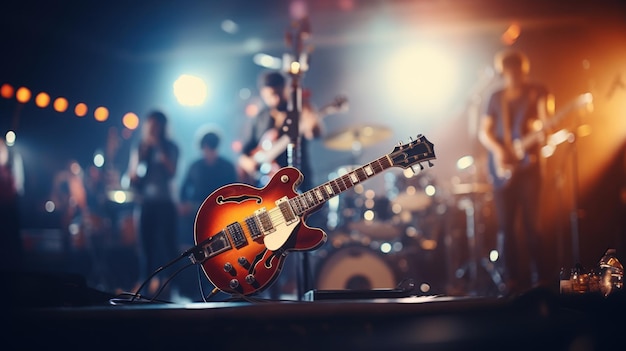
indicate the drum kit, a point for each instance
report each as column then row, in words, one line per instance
column 376, row 227
column 398, row 225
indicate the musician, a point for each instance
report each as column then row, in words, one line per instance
column 204, row 176
column 275, row 94
column 152, row 167
column 516, row 109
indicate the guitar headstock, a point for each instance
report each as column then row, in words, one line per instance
column 338, row 105
column 412, row 153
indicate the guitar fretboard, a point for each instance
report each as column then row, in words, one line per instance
column 319, row 195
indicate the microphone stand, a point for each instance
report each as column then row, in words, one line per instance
column 295, row 65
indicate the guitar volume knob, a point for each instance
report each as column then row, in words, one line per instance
column 228, row 267
column 243, row 261
column 250, row 279
column 234, row 284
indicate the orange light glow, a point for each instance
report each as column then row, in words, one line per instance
column 23, row 94
column 60, row 104
column 81, row 109
column 101, row 114
column 130, row 121
column 42, row 100
column 7, row 91
column 510, row 36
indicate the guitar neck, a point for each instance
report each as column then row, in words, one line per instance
column 319, row 195
column 534, row 137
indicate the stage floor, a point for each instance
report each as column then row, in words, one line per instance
column 537, row 319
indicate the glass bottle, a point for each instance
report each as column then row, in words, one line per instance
column 611, row 273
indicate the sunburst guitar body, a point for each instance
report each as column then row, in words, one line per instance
column 243, row 233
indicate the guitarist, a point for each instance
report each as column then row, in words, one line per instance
column 512, row 112
column 274, row 92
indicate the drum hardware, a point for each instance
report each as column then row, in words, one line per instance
column 356, row 137
column 470, row 206
column 417, row 191
column 366, row 209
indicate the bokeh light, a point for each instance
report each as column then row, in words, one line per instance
column 101, row 114
column 81, row 109
column 42, row 100
column 130, row 120
column 10, row 138
column 7, row 91
column 60, row 104
column 23, row 95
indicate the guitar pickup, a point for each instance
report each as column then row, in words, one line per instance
column 253, row 227
column 235, row 231
column 286, row 210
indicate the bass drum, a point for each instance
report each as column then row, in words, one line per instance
column 355, row 267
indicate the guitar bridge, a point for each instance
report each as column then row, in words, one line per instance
column 264, row 219
column 218, row 244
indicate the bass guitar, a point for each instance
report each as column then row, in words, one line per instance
column 502, row 173
column 243, row 233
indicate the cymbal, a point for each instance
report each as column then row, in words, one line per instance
column 376, row 229
column 416, row 201
column 361, row 135
column 470, row 188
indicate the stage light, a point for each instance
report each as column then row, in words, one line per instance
column 267, row 61
column 23, row 95
column 7, row 91
column 60, row 104
column 9, row 137
column 190, row 90
column 81, row 109
column 101, row 114
column 421, row 78
column 130, row 121
column 42, row 100
column 493, row 255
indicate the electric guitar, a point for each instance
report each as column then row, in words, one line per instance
column 243, row 233
column 502, row 173
column 270, row 145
